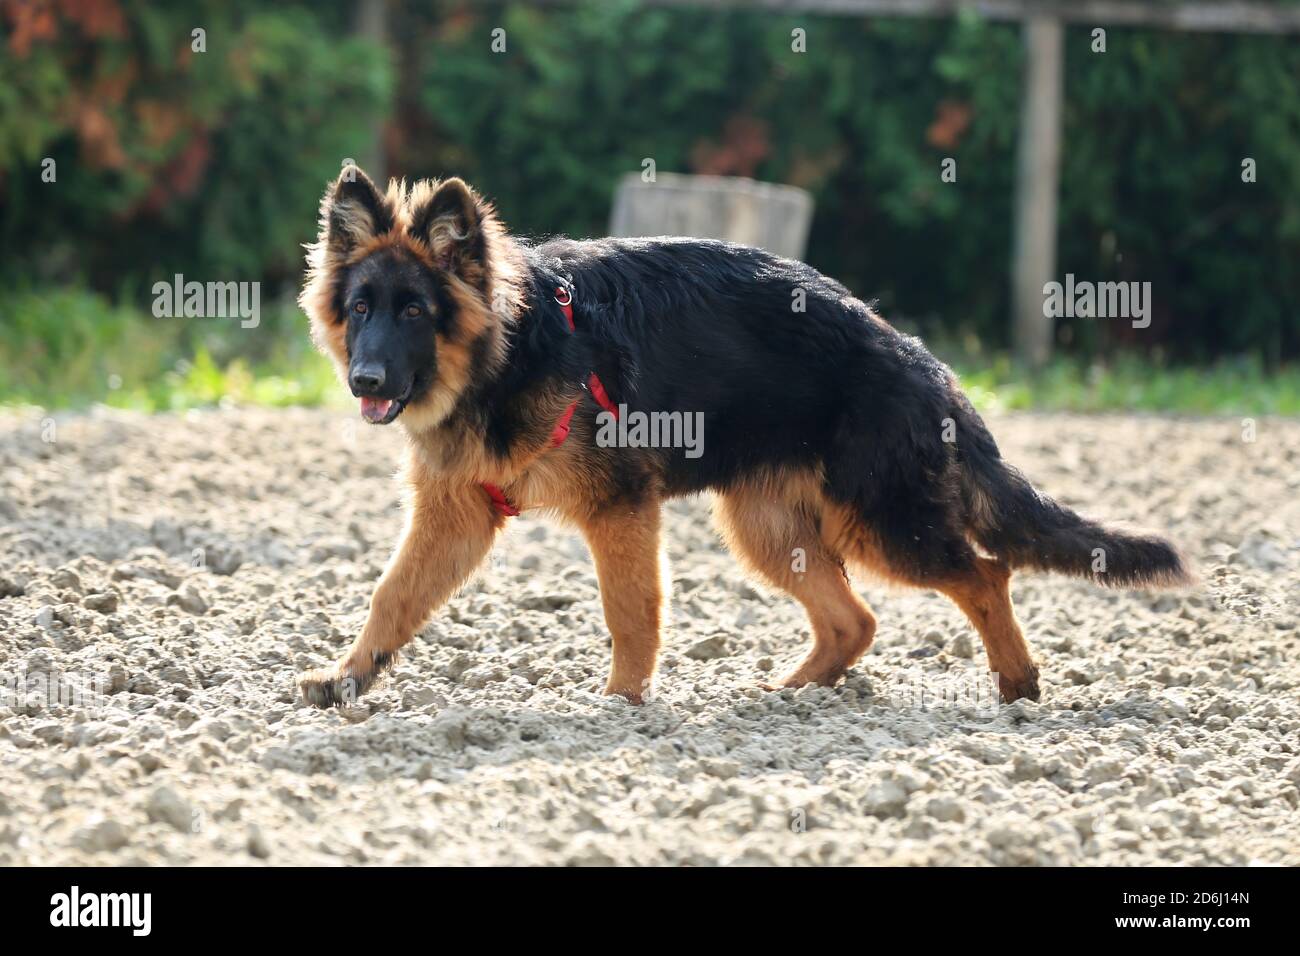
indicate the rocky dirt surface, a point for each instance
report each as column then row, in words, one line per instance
column 163, row 579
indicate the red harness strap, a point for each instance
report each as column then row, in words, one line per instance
column 561, row 430
column 499, row 500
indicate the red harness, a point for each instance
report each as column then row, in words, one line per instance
column 561, row 430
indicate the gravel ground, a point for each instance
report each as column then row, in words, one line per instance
column 163, row 579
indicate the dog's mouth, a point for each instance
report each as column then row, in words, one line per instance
column 382, row 411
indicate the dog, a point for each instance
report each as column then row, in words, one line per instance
column 831, row 440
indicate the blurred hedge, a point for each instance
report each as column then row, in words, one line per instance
column 211, row 164
column 168, row 160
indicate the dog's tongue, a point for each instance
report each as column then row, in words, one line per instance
column 374, row 409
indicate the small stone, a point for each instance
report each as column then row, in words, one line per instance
column 117, row 678
column 167, row 806
column 1104, row 771
column 963, row 647
column 324, row 578
column 885, row 798
column 1026, row 767
column 483, row 675
column 1263, row 554
column 1292, row 772
column 554, row 601
column 722, row 769
column 152, row 572
column 174, row 673
column 49, row 731
column 945, row 809
column 189, row 598
column 149, row 761
column 45, row 616
column 257, row 844
column 102, row 835
column 1079, row 677
column 334, row 548
column 223, row 559
column 708, row 649
column 167, row 535
column 105, row 602
column 413, row 698
column 66, row 579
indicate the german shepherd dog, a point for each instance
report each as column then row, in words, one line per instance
column 831, row 439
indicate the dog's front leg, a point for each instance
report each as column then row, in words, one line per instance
column 450, row 531
column 625, row 544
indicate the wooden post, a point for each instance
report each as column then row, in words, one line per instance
column 770, row 216
column 1037, row 181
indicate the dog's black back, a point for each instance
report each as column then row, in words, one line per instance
column 790, row 370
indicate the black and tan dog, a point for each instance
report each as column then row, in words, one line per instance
column 830, row 439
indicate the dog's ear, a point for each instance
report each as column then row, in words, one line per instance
column 352, row 212
column 450, row 221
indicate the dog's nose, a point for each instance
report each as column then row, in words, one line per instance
column 367, row 379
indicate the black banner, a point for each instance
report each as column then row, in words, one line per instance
column 270, row 905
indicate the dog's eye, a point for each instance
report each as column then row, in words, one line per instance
column 413, row 311
column 360, row 308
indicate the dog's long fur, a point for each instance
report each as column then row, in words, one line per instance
column 830, row 437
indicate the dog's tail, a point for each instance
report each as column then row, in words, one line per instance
column 1018, row 524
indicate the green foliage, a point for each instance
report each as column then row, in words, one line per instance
column 211, row 164
column 1153, row 191
column 168, row 160
column 1156, row 130
column 1131, row 384
column 66, row 348
column 69, row 348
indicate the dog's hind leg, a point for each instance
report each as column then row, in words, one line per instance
column 625, row 545
column 984, row 595
column 449, row 533
column 934, row 557
column 775, row 532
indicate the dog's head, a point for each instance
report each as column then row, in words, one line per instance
column 409, row 292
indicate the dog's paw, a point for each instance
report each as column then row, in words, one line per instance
column 340, row 684
column 1026, row 687
column 628, row 694
column 328, row 688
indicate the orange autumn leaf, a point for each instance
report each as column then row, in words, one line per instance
column 950, row 123
column 744, row 145
column 29, row 21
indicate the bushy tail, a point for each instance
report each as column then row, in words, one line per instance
column 1012, row 520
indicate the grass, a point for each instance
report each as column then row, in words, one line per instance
column 70, row 349
column 67, row 348
column 1130, row 384
column 200, row 383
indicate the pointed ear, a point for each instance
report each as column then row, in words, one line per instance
column 450, row 222
column 352, row 212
